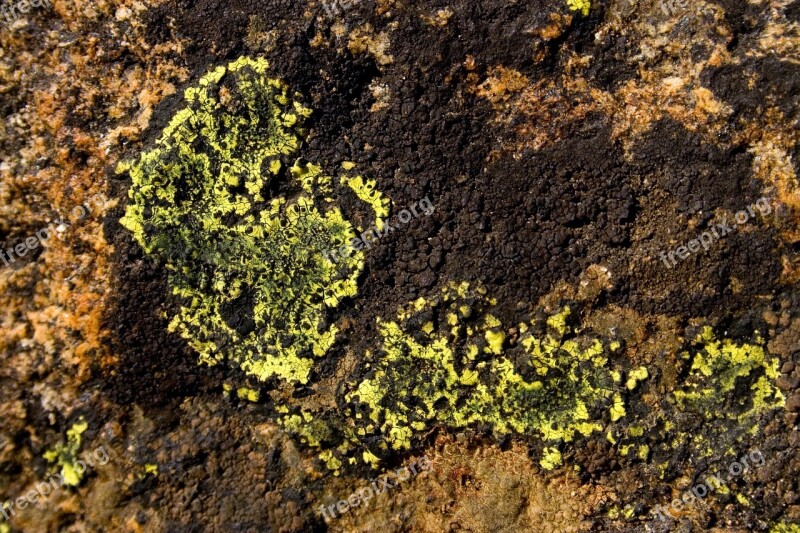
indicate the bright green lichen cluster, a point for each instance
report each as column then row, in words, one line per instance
column 251, row 270
column 718, row 368
column 65, row 455
column 465, row 376
column 580, row 5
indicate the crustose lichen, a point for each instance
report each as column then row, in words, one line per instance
column 247, row 266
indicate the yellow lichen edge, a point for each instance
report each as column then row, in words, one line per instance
column 245, row 393
column 461, row 377
column 580, row 5
column 252, row 273
column 366, row 192
column 785, row 527
column 65, row 455
column 444, row 361
column 636, row 376
column 551, row 458
column 310, row 430
column 716, row 368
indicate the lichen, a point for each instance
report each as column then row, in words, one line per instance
column 784, row 527
column 366, row 192
column 551, row 458
column 580, row 5
column 718, row 368
column 65, row 455
column 251, row 270
column 246, row 393
column 715, row 406
column 310, row 430
column 256, row 281
column 461, row 377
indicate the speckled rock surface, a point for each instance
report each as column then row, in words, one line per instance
column 375, row 265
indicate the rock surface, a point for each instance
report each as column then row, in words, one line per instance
column 598, row 313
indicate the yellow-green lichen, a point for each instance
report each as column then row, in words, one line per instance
column 551, row 458
column 366, row 192
column 311, row 430
column 785, row 527
column 244, row 393
column 718, row 368
column 644, row 452
column 635, row 376
column 635, row 431
column 580, row 5
column 715, row 407
column 65, row 455
column 461, row 377
column 252, row 271
column 618, row 408
column 330, row 460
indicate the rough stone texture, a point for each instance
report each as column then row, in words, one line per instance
column 563, row 153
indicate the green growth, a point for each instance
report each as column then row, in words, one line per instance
column 249, row 266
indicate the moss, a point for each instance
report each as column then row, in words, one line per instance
column 252, row 271
column 65, row 455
